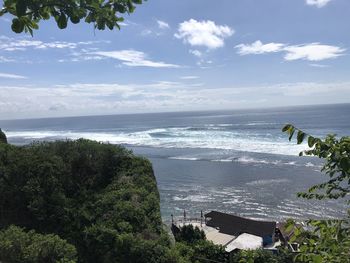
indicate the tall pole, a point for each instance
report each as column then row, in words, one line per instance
column 201, row 217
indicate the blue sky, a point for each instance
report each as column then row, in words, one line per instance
column 181, row 55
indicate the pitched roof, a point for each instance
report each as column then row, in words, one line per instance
column 235, row 225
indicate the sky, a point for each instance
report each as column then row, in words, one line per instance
column 181, row 55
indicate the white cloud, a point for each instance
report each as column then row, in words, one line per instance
column 313, row 52
column 109, row 98
column 317, row 3
column 5, row 59
column 318, row 65
column 203, row 33
column 11, row 76
column 22, row 44
column 134, row 58
column 162, row 24
column 310, row 52
column 189, row 77
column 259, row 48
column 146, row 32
column 196, row 53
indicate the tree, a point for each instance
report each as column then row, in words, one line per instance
column 262, row 256
column 98, row 197
column 17, row 245
column 326, row 240
column 102, row 13
column 189, row 234
column 3, row 138
column 336, row 153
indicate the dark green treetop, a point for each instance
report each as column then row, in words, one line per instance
column 102, row 13
column 18, row 245
column 100, row 198
column 3, row 138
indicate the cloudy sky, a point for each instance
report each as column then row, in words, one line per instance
column 181, row 55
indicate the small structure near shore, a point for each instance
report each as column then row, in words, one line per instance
column 233, row 232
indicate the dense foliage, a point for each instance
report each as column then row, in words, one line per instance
column 28, row 13
column 16, row 245
column 262, row 256
column 326, row 240
column 3, row 138
column 99, row 198
column 202, row 251
column 189, row 234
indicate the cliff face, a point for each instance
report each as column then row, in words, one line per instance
column 100, row 198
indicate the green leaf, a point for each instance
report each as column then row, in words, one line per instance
column 89, row 18
column 101, row 24
column 110, row 25
column 345, row 164
column 75, row 19
column 300, row 137
column 21, row 7
column 62, row 21
column 17, row 25
column 311, row 141
column 291, row 132
column 317, row 259
column 286, row 127
column 120, row 8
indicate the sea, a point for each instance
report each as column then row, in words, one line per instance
column 234, row 161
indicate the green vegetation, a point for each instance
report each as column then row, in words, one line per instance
column 189, row 234
column 193, row 246
column 16, row 245
column 336, row 153
column 201, row 251
column 28, row 13
column 262, row 256
column 3, row 138
column 99, row 198
column 328, row 240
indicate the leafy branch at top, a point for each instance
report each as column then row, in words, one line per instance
column 102, row 13
column 336, row 153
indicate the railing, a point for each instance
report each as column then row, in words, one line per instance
column 189, row 220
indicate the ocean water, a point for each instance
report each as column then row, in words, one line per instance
column 232, row 161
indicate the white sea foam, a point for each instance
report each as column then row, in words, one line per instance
column 184, row 158
column 177, row 137
column 194, row 198
column 260, row 123
column 268, row 182
column 245, row 159
column 234, row 201
column 223, row 160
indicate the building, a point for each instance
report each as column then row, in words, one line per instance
column 233, row 232
column 236, row 226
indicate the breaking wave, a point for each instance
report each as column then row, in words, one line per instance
column 220, row 136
